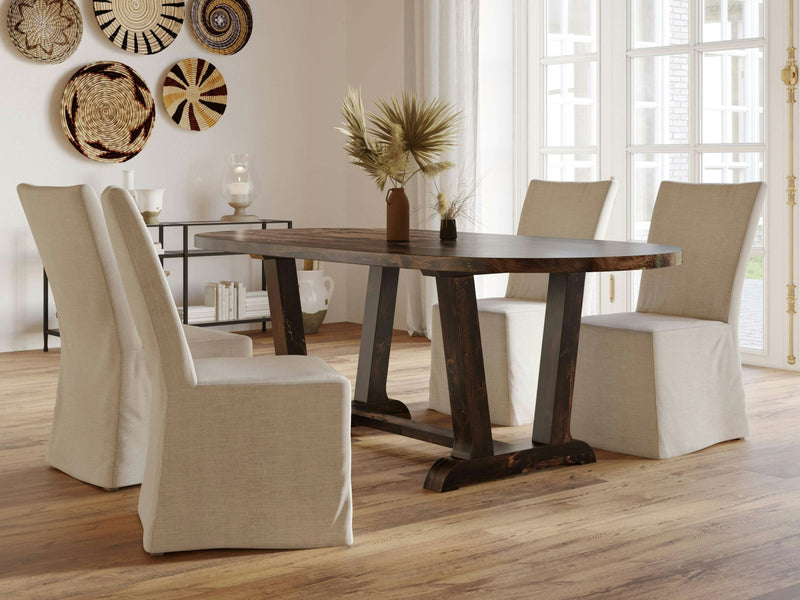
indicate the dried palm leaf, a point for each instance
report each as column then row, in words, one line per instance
column 408, row 136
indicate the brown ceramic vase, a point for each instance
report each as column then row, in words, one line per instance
column 397, row 211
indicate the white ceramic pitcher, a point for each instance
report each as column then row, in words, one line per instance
column 316, row 290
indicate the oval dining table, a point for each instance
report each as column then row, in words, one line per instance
column 474, row 456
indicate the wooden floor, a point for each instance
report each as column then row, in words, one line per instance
column 722, row 523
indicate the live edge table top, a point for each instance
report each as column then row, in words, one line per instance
column 471, row 253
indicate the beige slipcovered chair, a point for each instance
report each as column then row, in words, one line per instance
column 512, row 327
column 99, row 431
column 666, row 380
column 244, row 453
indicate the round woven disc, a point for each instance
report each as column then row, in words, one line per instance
column 195, row 94
column 107, row 112
column 222, row 26
column 140, row 26
column 46, row 31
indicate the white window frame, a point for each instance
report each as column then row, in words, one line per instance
column 615, row 153
column 695, row 148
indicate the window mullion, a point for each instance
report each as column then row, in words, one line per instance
column 569, row 149
column 520, row 106
column 738, row 147
column 746, row 43
column 568, row 59
column 695, row 73
column 658, row 50
column 541, row 92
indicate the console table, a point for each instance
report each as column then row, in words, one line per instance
column 184, row 253
column 475, row 455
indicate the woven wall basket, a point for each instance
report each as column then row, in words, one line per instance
column 45, row 31
column 222, row 26
column 140, row 26
column 107, row 112
column 195, row 94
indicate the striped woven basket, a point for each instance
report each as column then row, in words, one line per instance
column 140, row 26
column 195, row 94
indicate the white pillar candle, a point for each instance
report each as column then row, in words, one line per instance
column 127, row 179
column 239, row 188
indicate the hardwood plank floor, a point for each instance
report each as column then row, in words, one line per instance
column 723, row 523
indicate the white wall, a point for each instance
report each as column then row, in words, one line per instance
column 375, row 57
column 285, row 88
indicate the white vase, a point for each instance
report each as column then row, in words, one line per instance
column 150, row 203
column 316, row 290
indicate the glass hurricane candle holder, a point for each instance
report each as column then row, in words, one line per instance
column 238, row 188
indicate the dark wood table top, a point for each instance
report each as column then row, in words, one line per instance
column 471, row 253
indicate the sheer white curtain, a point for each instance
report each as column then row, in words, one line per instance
column 441, row 61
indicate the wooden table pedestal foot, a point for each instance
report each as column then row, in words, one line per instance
column 448, row 474
column 385, row 407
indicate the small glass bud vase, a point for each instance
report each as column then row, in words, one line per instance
column 238, row 188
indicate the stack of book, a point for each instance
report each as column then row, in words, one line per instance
column 228, row 301
column 227, row 298
column 256, row 305
column 199, row 314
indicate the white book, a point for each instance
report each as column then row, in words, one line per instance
column 210, row 294
column 233, row 299
column 241, row 300
column 222, row 302
column 226, row 286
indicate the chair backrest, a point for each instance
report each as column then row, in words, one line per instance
column 714, row 224
column 99, row 427
column 560, row 209
column 150, row 299
column 70, row 234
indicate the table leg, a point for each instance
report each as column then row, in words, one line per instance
column 376, row 342
column 45, row 309
column 465, row 373
column 284, row 305
column 466, row 379
column 559, row 353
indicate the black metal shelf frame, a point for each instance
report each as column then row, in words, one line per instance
column 185, row 253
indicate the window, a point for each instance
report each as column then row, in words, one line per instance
column 568, row 75
column 642, row 90
column 696, row 113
